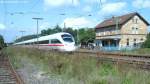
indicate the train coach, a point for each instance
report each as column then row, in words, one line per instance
column 59, row 41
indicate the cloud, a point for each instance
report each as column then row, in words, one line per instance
column 141, row 3
column 87, row 9
column 2, row 26
column 110, row 8
column 77, row 22
column 57, row 3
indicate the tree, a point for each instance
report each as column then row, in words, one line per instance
column 57, row 29
column 49, row 31
column 86, row 35
column 44, row 32
column 146, row 44
column 25, row 38
column 71, row 31
column 2, row 43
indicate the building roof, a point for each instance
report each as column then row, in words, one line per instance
column 121, row 20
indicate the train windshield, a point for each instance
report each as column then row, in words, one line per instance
column 67, row 38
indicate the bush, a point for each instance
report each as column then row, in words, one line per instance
column 146, row 44
column 2, row 44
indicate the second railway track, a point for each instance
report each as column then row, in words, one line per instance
column 7, row 73
column 143, row 61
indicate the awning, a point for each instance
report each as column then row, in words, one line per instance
column 116, row 37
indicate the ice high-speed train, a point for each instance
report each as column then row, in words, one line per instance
column 60, row 41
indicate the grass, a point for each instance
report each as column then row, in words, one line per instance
column 79, row 68
column 142, row 51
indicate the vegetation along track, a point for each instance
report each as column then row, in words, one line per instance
column 142, row 61
column 7, row 72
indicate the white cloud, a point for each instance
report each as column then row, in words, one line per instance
column 141, row 3
column 110, row 8
column 77, row 22
column 87, row 9
column 56, row 3
column 2, row 26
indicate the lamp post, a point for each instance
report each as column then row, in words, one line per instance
column 117, row 29
column 77, row 36
column 37, row 19
column 22, row 34
column 63, row 14
column 116, row 19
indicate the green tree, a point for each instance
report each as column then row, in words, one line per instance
column 146, row 44
column 71, row 31
column 2, row 43
column 25, row 38
column 57, row 29
column 44, row 32
column 86, row 35
column 49, row 31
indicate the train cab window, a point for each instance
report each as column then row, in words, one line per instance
column 44, row 42
column 67, row 38
column 66, row 35
column 55, row 41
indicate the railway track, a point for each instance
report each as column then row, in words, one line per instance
column 143, row 61
column 7, row 72
column 114, row 54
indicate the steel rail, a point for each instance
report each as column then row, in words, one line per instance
column 5, row 60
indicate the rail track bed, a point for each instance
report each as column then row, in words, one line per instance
column 142, row 61
column 7, row 73
column 113, row 56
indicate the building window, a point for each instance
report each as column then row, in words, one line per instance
column 133, row 30
column 136, row 21
column 127, row 42
column 133, row 20
column 104, row 33
column 136, row 31
column 141, row 39
column 134, row 44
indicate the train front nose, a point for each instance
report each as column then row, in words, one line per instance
column 70, row 47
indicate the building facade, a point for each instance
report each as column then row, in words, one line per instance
column 122, row 32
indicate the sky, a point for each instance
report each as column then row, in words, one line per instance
column 16, row 15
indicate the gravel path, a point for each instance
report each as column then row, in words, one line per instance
column 32, row 74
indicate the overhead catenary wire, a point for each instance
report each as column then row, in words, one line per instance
column 101, row 4
column 5, row 12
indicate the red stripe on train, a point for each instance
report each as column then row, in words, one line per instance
column 52, row 45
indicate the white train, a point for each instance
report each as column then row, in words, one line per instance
column 60, row 41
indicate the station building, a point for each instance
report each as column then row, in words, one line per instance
column 122, row 32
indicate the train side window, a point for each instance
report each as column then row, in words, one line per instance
column 44, row 42
column 55, row 41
